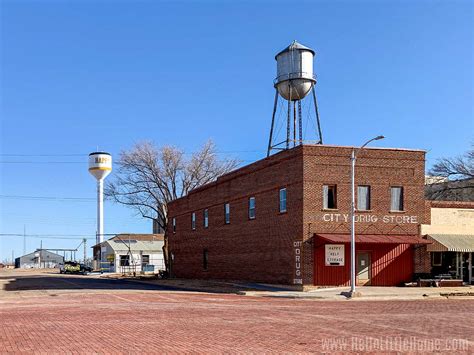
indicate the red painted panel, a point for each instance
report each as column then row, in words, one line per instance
column 391, row 264
column 374, row 238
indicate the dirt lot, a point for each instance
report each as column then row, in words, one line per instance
column 51, row 313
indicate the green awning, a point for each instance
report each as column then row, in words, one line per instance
column 461, row 243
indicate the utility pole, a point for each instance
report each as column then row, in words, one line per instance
column 24, row 239
column 13, row 257
column 352, row 292
column 85, row 250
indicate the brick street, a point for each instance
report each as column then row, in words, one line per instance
column 67, row 317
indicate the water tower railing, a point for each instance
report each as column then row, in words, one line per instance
column 296, row 75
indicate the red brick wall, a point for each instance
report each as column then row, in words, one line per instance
column 265, row 249
column 450, row 204
column 257, row 250
column 379, row 168
column 422, row 258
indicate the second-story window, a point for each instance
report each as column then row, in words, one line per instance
column 227, row 213
column 206, row 218
column 329, row 197
column 174, row 224
column 252, row 207
column 363, row 198
column 396, row 198
column 193, row 221
column 283, row 200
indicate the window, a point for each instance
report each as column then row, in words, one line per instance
column 329, row 197
column 124, row 260
column 206, row 218
column 174, row 225
column 204, row 259
column 363, row 198
column 227, row 213
column 283, row 200
column 396, row 198
column 193, row 221
column 436, row 259
column 145, row 259
column 252, row 207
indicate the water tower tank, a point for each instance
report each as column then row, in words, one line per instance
column 100, row 164
column 294, row 71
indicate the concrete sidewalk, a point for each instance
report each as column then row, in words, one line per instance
column 373, row 293
column 333, row 293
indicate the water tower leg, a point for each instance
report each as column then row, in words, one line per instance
column 273, row 123
column 300, row 122
column 317, row 115
column 288, row 125
column 294, row 124
column 100, row 211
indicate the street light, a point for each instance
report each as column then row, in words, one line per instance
column 353, row 160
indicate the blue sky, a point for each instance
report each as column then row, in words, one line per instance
column 77, row 75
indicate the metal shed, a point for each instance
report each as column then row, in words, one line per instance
column 39, row 259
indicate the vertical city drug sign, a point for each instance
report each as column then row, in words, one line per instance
column 298, row 261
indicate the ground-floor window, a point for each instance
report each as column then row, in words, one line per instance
column 124, row 260
column 452, row 264
column 204, row 259
column 145, row 259
column 436, row 258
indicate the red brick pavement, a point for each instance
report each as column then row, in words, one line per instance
column 172, row 322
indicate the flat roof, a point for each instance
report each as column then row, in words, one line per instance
column 285, row 154
column 367, row 147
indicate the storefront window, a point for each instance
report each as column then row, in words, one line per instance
column 436, row 259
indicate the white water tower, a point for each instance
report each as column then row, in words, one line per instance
column 100, row 165
column 294, row 81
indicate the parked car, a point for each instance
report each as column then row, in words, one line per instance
column 72, row 267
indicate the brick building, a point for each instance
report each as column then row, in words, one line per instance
column 284, row 219
column 451, row 231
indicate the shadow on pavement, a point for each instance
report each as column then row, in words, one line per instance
column 50, row 280
column 69, row 282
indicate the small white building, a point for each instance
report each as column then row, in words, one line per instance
column 132, row 253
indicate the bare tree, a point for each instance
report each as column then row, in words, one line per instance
column 458, row 168
column 149, row 177
column 459, row 172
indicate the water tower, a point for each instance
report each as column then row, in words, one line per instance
column 100, row 165
column 294, row 81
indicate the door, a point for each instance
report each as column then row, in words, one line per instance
column 363, row 268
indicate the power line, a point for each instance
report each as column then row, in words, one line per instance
column 42, row 162
column 85, row 163
column 52, row 235
column 47, row 198
column 87, row 154
column 43, row 155
column 45, row 236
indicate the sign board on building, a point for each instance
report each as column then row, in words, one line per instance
column 334, row 254
column 297, row 247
